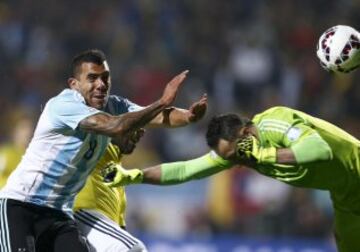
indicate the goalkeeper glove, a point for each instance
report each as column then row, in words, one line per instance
column 115, row 175
column 248, row 148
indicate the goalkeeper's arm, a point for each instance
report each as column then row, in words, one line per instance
column 183, row 171
column 168, row 173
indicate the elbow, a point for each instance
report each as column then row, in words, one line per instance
column 326, row 154
column 118, row 127
column 317, row 153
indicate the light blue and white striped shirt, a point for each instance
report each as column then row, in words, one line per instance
column 60, row 156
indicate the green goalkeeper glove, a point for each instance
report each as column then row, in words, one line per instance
column 248, row 148
column 115, row 175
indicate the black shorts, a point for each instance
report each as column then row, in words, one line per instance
column 26, row 227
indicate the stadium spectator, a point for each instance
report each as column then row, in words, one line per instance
column 12, row 152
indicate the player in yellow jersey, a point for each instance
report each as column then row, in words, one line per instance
column 282, row 143
column 99, row 209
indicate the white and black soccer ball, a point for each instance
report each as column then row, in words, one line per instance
column 339, row 49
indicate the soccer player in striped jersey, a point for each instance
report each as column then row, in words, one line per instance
column 281, row 143
column 72, row 134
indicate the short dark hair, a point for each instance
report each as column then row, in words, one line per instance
column 93, row 55
column 225, row 126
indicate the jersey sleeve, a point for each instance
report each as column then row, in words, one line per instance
column 69, row 110
column 118, row 105
column 309, row 145
column 284, row 128
column 198, row 168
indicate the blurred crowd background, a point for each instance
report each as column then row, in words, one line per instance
column 247, row 55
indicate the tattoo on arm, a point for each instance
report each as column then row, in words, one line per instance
column 113, row 126
column 98, row 123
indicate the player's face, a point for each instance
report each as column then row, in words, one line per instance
column 227, row 149
column 94, row 82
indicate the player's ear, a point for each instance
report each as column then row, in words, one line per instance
column 243, row 131
column 250, row 130
column 72, row 82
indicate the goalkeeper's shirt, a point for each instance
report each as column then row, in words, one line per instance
column 327, row 157
column 110, row 201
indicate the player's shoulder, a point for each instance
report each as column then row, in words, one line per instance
column 117, row 99
column 279, row 114
column 274, row 111
column 68, row 103
column 67, row 95
column 117, row 105
column 279, row 109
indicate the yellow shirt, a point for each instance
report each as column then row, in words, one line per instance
column 96, row 196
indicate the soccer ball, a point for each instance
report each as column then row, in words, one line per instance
column 339, row 49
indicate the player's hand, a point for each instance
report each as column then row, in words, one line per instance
column 249, row 149
column 127, row 142
column 115, row 175
column 171, row 89
column 198, row 109
column 137, row 135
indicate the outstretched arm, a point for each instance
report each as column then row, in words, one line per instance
column 176, row 117
column 115, row 126
column 167, row 173
column 183, row 171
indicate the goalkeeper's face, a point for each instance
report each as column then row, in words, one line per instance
column 227, row 148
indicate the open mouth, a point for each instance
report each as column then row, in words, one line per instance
column 100, row 97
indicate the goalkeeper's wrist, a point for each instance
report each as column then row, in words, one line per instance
column 221, row 162
column 267, row 155
column 137, row 176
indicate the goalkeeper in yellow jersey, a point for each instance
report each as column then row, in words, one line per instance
column 282, row 143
